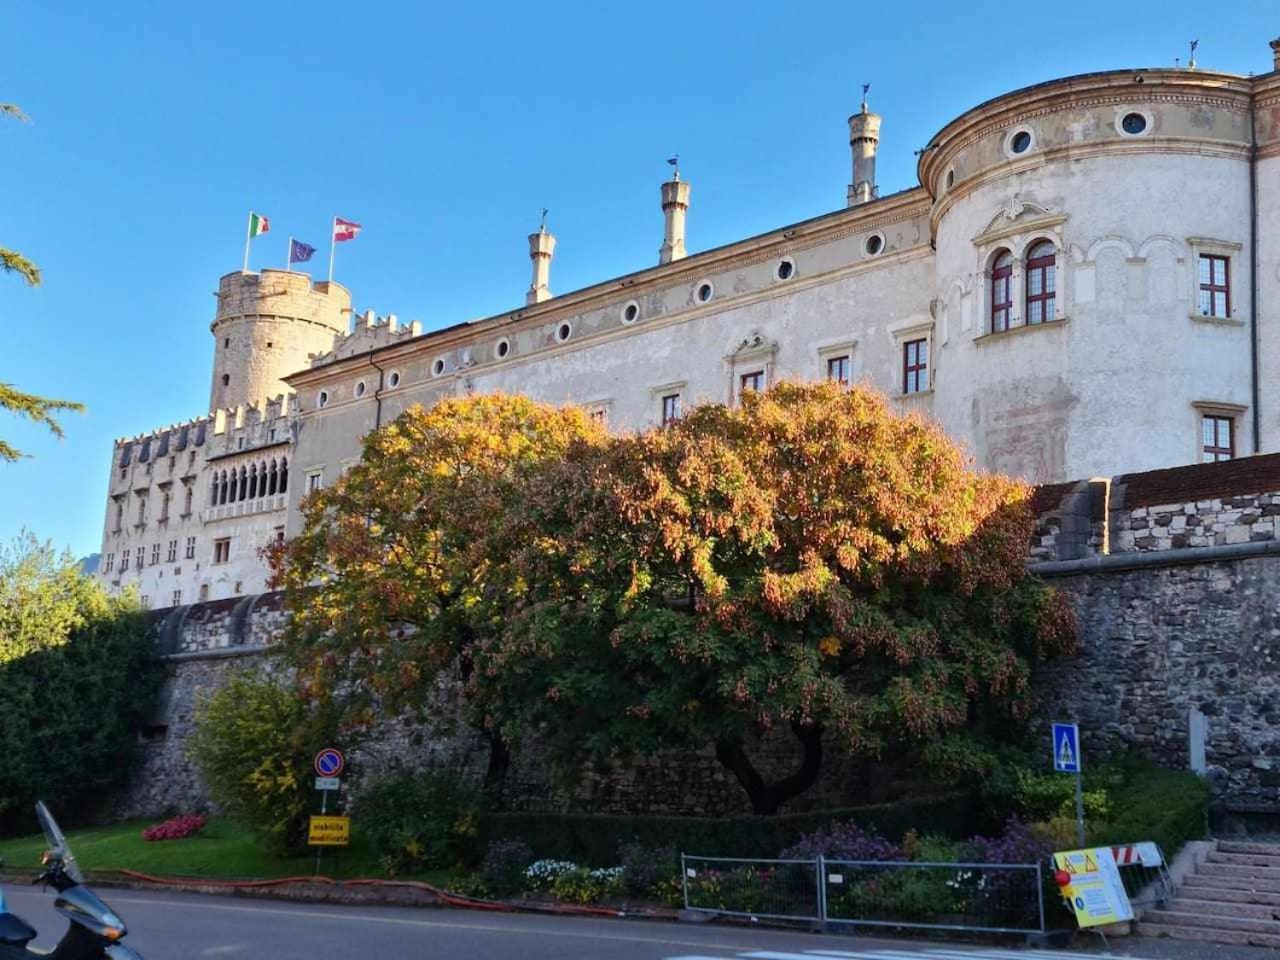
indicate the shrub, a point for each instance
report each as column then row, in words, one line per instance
column 541, row 875
column 582, row 885
column 423, row 820
column 596, row 839
column 1151, row 803
column 643, row 868
column 503, row 868
column 78, row 676
column 177, row 828
column 255, row 742
column 843, row 841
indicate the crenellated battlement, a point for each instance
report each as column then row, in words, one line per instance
column 267, row 325
column 370, row 332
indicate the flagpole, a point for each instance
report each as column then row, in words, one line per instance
column 248, row 234
column 288, row 259
column 333, row 245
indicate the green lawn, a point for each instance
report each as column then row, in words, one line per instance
column 223, row 850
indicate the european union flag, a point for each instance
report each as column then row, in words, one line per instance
column 300, row 252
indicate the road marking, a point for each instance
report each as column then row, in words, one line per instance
column 908, row 954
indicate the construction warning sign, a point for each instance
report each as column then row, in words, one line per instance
column 1094, row 887
column 329, row 832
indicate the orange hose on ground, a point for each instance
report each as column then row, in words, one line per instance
column 451, row 899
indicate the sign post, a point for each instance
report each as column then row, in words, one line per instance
column 326, row 831
column 1066, row 759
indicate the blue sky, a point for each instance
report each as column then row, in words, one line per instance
column 444, row 129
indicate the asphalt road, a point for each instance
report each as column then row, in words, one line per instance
column 170, row 926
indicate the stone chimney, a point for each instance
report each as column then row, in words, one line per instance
column 864, row 136
column 1275, row 53
column 675, row 204
column 542, row 246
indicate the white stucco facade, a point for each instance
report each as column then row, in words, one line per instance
column 1132, row 177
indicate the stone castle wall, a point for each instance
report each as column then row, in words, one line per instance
column 1166, row 628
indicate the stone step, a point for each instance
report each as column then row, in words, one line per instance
column 1184, row 903
column 1271, row 860
column 1207, row 935
column 1211, row 869
column 1248, row 846
column 1178, row 918
column 1201, row 891
column 1231, row 882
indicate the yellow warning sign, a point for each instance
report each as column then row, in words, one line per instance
column 329, row 832
column 1096, row 893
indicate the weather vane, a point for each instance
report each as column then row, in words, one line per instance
column 865, row 88
column 543, row 227
column 1191, row 63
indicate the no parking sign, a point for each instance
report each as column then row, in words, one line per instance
column 329, row 762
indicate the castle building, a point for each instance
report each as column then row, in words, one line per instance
column 1086, row 281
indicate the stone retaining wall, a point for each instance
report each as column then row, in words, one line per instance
column 1189, row 632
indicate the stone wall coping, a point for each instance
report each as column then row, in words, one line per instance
column 221, row 653
column 1113, row 562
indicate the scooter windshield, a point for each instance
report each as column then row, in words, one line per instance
column 57, row 841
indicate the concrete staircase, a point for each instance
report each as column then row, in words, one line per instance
column 1232, row 897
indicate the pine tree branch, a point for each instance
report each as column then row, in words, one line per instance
column 36, row 409
column 11, row 261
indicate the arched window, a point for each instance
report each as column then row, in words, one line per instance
column 1040, row 282
column 1001, row 291
column 213, row 492
column 274, row 478
column 253, row 481
column 284, row 474
column 186, row 503
column 244, row 482
column 222, row 491
column 233, row 486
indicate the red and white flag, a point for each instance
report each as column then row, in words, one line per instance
column 344, row 230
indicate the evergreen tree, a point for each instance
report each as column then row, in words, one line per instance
column 38, row 409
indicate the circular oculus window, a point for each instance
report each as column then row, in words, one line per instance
column 1133, row 124
column 360, row 388
column 874, row 244
column 705, row 291
column 1019, row 142
column 322, row 398
column 631, row 312
column 564, row 331
column 437, row 366
column 786, row 268
column 393, row 378
column 951, row 179
column 502, row 348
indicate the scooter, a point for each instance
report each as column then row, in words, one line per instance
column 95, row 931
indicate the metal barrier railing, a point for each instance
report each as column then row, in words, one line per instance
column 1145, row 874
column 767, row 889
column 984, row 897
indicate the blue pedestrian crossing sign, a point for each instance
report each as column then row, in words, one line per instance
column 1066, row 748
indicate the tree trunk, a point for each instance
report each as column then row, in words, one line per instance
column 766, row 798
column 495, row 776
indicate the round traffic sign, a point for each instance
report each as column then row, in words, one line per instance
column 329, row 762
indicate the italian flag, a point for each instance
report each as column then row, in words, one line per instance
column 258, row 224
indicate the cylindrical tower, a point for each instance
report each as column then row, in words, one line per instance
column 267, row 326
column 675, row 204
column 864, row 136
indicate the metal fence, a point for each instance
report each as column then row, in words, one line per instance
column 987, row 897
column 1145, row 874
column 766, row 889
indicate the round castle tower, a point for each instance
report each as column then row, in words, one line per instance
column 267, row 326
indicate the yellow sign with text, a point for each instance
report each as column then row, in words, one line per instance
column 1095, row 891
column 329, row 832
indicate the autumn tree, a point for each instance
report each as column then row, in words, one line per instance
column 401, row 565
column 810, row 561
column 38, row 409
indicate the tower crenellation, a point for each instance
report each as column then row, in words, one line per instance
column 267, row 326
